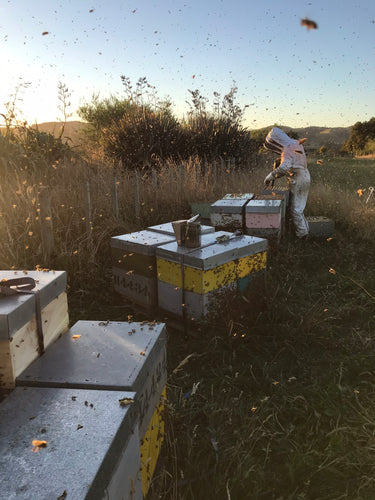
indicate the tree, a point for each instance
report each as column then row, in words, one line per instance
column 361, row 134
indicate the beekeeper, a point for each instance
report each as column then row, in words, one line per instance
column 294, row 166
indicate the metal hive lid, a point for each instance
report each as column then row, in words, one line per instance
column 264, row 206
column 73, row 460
column 107, row 356
column 142, row 242
column 228, row 206
column 212, row 253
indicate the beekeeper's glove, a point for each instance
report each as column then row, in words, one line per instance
column 269, row 179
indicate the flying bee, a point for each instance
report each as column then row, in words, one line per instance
column 310, row 25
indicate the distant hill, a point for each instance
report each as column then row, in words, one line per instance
column 332, row 138
column 72, row 130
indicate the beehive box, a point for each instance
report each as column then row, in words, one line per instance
column 18, row 323
column 118, row 356
column 134, row 265
column 320, row 226
column 228, row 213
column 91, row 451
column 264, row 218
column 283, row 198
column 168, row 229
column 189, row 280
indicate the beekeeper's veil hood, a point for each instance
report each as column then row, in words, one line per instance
column 277, row 140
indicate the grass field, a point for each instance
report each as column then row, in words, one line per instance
column 282, row 401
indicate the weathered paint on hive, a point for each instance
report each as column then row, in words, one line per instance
column 134, row 265
column 198, row 281
column 136, row 287
column 195, row 305
column 144, row 265
column 263, row 220
column 151, row 444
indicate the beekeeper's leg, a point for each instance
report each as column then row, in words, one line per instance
column 300, row 191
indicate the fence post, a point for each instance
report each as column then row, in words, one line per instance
column 214, row 173
column 137, row 201
column 114, row 198
column 154, row 183
column 87, row 199
column 46, row 225
column 197, row 171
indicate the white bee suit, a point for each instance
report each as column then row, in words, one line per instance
column 294, row 166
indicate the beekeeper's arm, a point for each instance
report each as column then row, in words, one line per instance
column 280, row 171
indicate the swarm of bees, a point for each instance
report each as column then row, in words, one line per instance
column 310, row 25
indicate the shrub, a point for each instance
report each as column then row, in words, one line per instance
column 143, row 136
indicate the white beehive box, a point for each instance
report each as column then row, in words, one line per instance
column 18, row 323
column 189, row 280
column 228, row 213
column 118, row 356
column 91, row 450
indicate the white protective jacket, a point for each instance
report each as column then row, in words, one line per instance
column 294, row 166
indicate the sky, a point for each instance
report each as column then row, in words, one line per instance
column 285, row 73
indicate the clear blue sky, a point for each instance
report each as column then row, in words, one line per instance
column 285, row 73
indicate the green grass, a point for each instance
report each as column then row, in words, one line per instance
column 346, row 173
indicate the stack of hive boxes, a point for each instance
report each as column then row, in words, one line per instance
column 91, row 405
column 227, row 214
column 256, row 215
column 190, row 280
column 134, row 262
